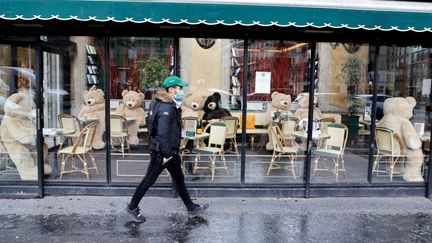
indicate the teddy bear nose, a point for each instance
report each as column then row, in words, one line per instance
column 88, row 102
column 194, row 106
column 129, row 104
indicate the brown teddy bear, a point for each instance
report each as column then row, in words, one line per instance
column 302, row 112
column 131, row 108
column 18, row 134
column 95, row 108
column 280, row 108
column 193, row 105
column 397, row 112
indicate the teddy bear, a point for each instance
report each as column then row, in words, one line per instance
column 397, row 112
column 131, row 108
column 279, row 110
column 95, row 108
column 303, row 110
column 212, row 109
column 193, row 105
column 18, row 134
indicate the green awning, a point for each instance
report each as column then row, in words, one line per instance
column 223, row 12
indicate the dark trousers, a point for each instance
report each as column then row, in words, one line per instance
column 154, row 170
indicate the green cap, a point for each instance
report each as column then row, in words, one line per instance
column 172, row 81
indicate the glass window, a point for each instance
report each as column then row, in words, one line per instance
column 18, row 156
column 138, row 67
column 403, row 105
column 277, row 74
column 74, row 107
column 341, row 128
column 213, row 69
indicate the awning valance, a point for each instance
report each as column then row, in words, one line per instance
column 366, row 15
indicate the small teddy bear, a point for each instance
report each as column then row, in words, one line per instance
column 131, row 108
column 212, row 109
column 193, row 105
column 95, row 108
column 397, row 112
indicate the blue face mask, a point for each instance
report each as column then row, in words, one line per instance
column 179, row 95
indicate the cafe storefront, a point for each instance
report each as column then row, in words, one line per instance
column 324, row 98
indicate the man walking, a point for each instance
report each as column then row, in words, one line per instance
column 164, row 124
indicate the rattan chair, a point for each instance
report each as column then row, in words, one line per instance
column 214, row 148
column 119, row 133
column 289, row 126
column 279, row 149
column 334, row 148
column 70, row 128
column 389, row 150
column 232, row 124
column 80, row 149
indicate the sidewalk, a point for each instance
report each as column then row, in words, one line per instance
column 101, row 219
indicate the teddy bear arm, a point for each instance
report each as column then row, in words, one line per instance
column 120, row 110
column 141, row 118
column 410, row 136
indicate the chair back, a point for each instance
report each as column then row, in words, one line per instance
column 276, row 140
column 388, row 141
column 327, row 120
column 217, row 134
column 232, row 124
column 69, row 123
column 85, row 138
column 289, row 126
column 117, row 125
column 338, row 136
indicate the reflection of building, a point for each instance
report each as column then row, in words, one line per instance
column 297, row 48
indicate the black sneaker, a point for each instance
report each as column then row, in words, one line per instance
column 198, row 208
column 135, row 215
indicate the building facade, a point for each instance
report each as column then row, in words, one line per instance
column 309, row 90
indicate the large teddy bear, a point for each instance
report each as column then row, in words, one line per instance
column 18, row 134
column 279, row 110
column 193, row 105
column 397, row 112
column 95, row 108
column 212, row 109
column 303, row 109
column 131, row 108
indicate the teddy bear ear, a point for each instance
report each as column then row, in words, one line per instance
column 100, row 92
column 217, row 95
column 124, row 92
column 141, row 95
column 411, row 101
column 274, row 94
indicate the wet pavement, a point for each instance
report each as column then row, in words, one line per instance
column 101, row 219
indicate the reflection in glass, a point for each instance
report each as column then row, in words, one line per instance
column 73, row 99
column 403, row 127
column 278, row 73
column 18, row 155
column 138, row 67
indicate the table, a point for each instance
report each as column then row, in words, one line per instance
column 195, row 138
column 319, row 136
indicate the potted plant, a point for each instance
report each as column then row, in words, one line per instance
column 151, row 72
column 351, row 71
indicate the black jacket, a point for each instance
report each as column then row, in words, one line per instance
column 167, row 138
